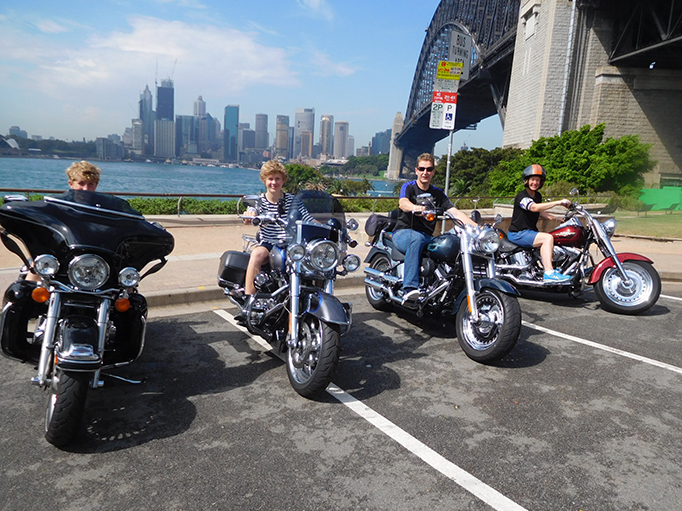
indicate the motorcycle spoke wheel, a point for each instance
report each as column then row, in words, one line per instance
column 497, row 331
column 637, row 296
column 376, row 298
column 66, row 402
column 312, row 363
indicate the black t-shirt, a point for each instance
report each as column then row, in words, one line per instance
column 418, row 222
column 522, row 217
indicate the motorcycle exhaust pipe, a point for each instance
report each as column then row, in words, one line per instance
column 389, row 279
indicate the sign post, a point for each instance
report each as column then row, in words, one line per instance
column 444, row 104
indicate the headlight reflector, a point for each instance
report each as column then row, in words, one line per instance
column 46, row 265
column 88, row 272
column 351, row 263
column 324, row 255
column 488, row 241
column 129, row 277
column 297, row 252
column 610, row 226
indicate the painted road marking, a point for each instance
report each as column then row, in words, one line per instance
column 616, row 351
column 458, row 475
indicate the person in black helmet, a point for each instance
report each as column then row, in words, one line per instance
column 528, row 208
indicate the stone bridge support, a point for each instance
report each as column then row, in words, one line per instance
column 561, row 80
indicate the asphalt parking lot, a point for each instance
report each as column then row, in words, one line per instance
column 584, row 414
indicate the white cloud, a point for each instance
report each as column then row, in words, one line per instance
column 324, row 66
column 318, row 8
column 50, row 27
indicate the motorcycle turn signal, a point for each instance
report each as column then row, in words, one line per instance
column 40, row 295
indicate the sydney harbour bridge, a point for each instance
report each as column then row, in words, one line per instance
column 546, row 66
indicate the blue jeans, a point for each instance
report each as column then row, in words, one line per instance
column 411, row 243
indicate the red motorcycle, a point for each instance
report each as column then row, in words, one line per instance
column 624, row 283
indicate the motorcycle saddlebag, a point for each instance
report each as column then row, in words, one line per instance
column 376, row 223
column 232, row 269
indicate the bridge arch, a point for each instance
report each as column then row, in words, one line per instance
column 492, row 26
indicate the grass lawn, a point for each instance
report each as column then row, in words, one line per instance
column 655, row 223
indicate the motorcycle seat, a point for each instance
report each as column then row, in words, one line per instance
column 507, row 247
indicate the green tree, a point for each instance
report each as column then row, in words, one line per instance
column 300, row 176
column 583, row 159
column 469, row 169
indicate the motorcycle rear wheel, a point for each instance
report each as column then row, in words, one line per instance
column 65, row 406
column 643, row 293
column 376, row 298
column 490, row 340
column 312, row 364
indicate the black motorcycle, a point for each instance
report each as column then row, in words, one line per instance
column 83, row 315
column 457, row 284
column 295, row 309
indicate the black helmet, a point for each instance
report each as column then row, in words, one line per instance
column 534, row 170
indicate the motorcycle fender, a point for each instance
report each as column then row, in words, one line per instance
column 374, row 251
column 479, row 284
column 328, row 308
column 77, row 348
column 18, row 308
column 608, row 263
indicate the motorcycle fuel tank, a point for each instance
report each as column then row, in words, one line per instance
column 569, row 235
column 443, row 248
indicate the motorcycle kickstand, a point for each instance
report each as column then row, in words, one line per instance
column 127, row 380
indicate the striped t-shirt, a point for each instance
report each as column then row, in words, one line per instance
column 274, row 233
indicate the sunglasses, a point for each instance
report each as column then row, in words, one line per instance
column 426, row 169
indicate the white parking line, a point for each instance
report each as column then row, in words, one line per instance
column 616, row 351
column 671, row 297
column 458, row 475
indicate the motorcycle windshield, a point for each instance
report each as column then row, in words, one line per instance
column 315, row 214
column 79, row 221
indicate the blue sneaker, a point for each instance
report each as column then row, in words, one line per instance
column 555, row 276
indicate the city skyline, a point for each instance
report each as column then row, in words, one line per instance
column 75, row 70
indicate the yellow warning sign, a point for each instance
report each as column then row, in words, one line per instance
column 449, row 70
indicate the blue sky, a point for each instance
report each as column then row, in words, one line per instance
column 75, row 69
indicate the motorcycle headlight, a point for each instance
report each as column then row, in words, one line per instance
column 324, row 255
column 351, row 263
column 46, row 265
column 296, row 252
column 88, row 272
column 610, row 226
column 129, row 277
column 488, row 241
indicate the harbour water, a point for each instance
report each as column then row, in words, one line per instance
column 129, row 178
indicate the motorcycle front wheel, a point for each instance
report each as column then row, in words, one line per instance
column 312, row 363
column 498, row 329
column 639, row 295
column 65, row 405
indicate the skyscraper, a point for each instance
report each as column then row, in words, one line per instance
column 262, row 136
column 138, row 136
column 147, row 116
column 306, row 143
column 165, row 101
column 199, row 107
column 304, row 120
column 185, row 135
column 282, row 137
column 327, row 134
column 231, row 133
column 341, row 139
column 164, row 138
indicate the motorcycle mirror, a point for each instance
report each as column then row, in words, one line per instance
column 352, row 224
column 476, row 216
column 497, row 220
column 573, row 192
column 249, row 201
column 13, row 247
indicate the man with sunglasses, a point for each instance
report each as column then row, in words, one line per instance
column 413, row 231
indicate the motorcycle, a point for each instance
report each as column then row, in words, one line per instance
column 294, row 308
column 457, row 284
column 624, row 283
column 83, row 315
